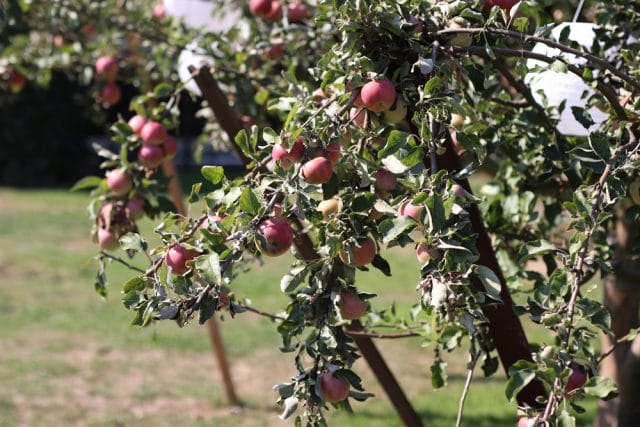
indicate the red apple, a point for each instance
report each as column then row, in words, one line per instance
column 503, row 4
column 119, row 181
column 285, row 158
column 276, row 52
column 274, row 236
column 378, row 95
column 397, row 113
column 17, row 81
column 158, row 11
column 135, row 208
column 260, row 7
column 296, row 12
column 275, row 12
column 409, row 209
column 153, row 133
column 358, row 116
column 318, row 96
column 111, row 93
column 150, row 155
column 170, row 147
column 177, row 257
column 426, row 253
column 385, row 180
column 351, row 306
column 107, row 68
column 317, row 171
column 577, row 378
column 136, row 123
column 329, row 208
column 360, row 255
column 526, row 422
column 106, row 240
column 334, row 388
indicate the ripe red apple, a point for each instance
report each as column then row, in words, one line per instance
column 385, row 180
column 135, row 208
column 361, row 255
column 275, row 12
column 296, row 12
column 170, row 147
column 260, row 7
column 634, row 191
column 150, row 155
column 274, row 236
column 397, row 113
column 426, row 253
column 351, row 306
column 577, row 378
column 334, row 388
column 111, row 93
column 119, row 181
column 329, row 208
column 409, row 209
column 106, row 240
column 317, row 171
column 503, row 4
column 17, row 81
column 136, row 123
column 276, row 52
column 107, row 68
column 318, row 95
column 153, row 133
column 177, row 257
column 358, row 116
column 378, row 95
column 158, row 11
column 285, row 158
column 526, row 422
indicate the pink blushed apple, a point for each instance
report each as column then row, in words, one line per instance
column 136, row 123
column 274, row 236
column 111, row 93
column 107, row 68
column 150, row 155
column 119, row 181
column 177, row 257
column 153, row 133
column 286, row 158
column 334, row 388
column 409, row 209
column 351, row 306
column 361, row 255
column 317, row 171
column 106, row 240
column 378, row 95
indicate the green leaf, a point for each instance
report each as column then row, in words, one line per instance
column 601, row 387
column 396, row 140
column 242, row 141
column 438, row 373
column 490, row 281
column 566, row 420
column 133, row 242
column 194, row 196
column 249, row 203
column 207, row 309
column 436, row 212
column 392, row 228
column 292, row 279
column 433, row 86
column 270, row 135
column 521, row 373
column 382, row 265
column 134, row 284
column 208, row 266
column 213, row 174
column 86, row 183
column 534, row 248
column 162, row 90
column 558, row 66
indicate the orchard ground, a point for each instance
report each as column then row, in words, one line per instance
column 69, row 358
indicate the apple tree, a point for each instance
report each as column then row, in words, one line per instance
column 364, row 121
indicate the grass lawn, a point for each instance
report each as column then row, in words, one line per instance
column 69, row 358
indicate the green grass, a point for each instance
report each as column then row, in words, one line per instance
column 67, row 357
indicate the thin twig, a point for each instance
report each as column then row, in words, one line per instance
column 121, row 261
column 467, row 386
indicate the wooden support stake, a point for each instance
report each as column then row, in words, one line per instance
column 231, row 124
column 169, row 170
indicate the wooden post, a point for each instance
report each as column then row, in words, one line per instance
column 231, row 124
column 169, row 170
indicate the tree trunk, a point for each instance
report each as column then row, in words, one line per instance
column 622, row 298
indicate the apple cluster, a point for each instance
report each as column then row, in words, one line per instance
column 107, row 72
